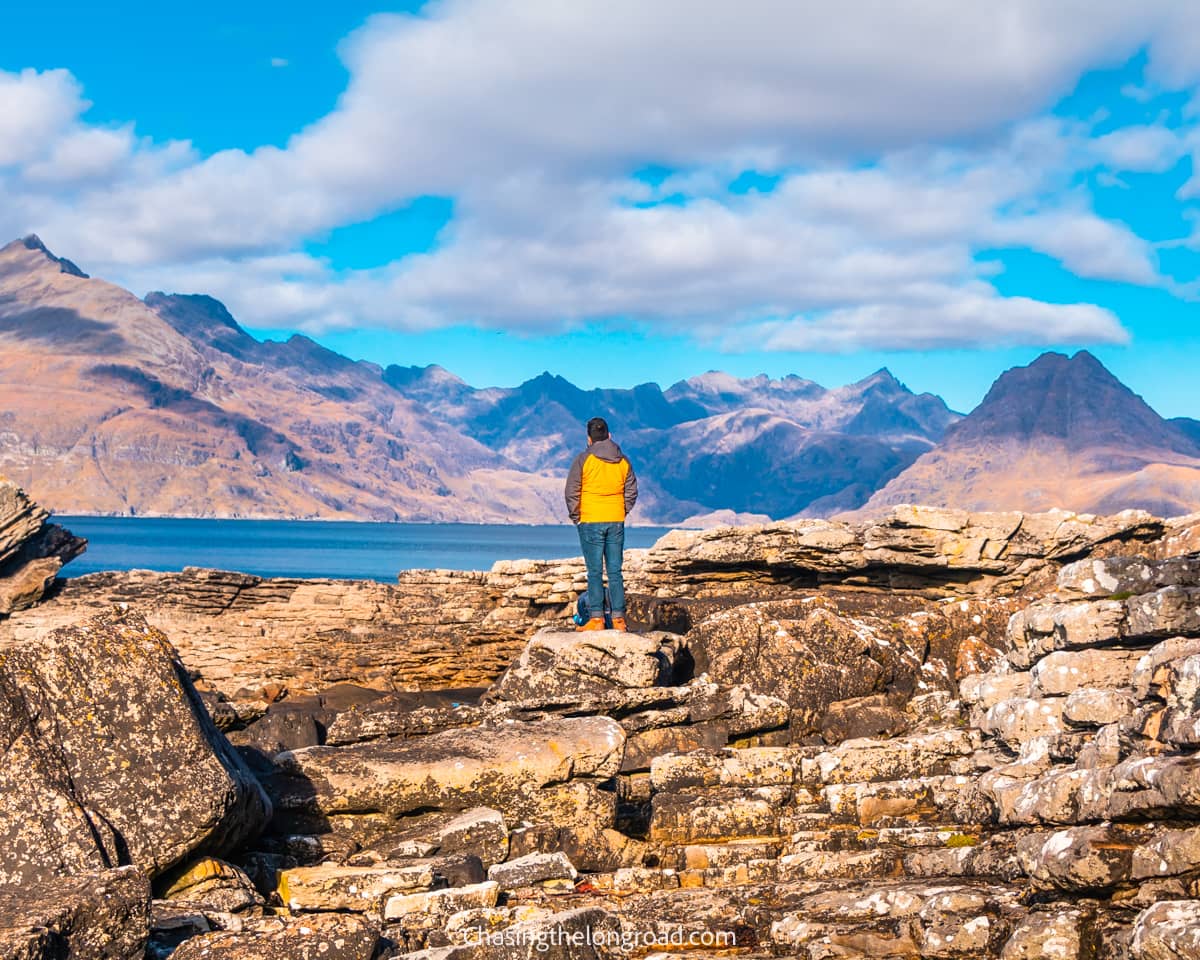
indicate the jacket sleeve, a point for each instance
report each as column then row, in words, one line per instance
column 630, row 488
column 573, row 492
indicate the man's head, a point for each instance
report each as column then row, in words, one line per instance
column 597, row 429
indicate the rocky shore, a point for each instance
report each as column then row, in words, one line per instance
column 936, row 735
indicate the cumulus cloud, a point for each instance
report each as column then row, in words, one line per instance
column 1084, row 243
column 1150, row 148
column 900, row 135
column 38, row 108
column 837, row 247
column 938, row 319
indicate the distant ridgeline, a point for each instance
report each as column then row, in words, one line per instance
column 166, row 406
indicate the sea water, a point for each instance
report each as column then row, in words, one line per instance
column 317, row 548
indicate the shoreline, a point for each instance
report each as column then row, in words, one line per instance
column 66, row 518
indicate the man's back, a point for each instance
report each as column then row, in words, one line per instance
column 601, row 485
column 605, row 472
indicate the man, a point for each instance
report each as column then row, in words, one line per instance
column 601, row 489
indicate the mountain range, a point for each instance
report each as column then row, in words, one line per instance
column 166, row 406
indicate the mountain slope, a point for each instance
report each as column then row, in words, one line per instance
column 1061, row 432
column 115, row 405
column 1187, row 426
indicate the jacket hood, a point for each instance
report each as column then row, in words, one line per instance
column 606, row 450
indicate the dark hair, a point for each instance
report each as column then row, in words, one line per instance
column 597, row 429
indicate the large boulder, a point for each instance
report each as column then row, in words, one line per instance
column 1047, row 626
column 111, row 703
column 558, row 667
column 477, row 833
column 20, row 518
column 1093, row 857
column 93, row 916
column 45, row 831
column 805, row 653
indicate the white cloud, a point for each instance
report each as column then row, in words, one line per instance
column 38, row 107
column 901, row 129
column 1152, row 148
column 947, row 318
column 1138, row 92
column 1084, row 243
column 91, row 154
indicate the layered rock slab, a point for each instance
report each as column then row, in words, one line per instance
column 503, row 767
column 804, row 652
column 32, row 551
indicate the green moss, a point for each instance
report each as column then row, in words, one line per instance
column 961, row 840
column 1123, row 595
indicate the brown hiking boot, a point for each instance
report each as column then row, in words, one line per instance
column 619, row 624
column 596, row 623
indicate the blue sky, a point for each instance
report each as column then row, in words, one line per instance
column 621, row 193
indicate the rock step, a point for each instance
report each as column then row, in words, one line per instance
column 807, row 770
column 717, row 816
column 839, row 864
column 330, row 887
column 503, row 767
column 326, row 936
column 932, row 799
column 1140, row 620
column 717, row 855
column 927, row 754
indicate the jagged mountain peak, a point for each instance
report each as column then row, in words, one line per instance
column 881, row 379
column 1073, row 399
column 32, row 242
column 430, row 375
column 439, row 374
column 547, row 379
column 206, row 322
column 717, row 382
column 713, row 381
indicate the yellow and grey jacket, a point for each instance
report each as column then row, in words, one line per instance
column 601, row 486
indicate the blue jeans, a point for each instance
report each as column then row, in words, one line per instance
column 603, row 543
